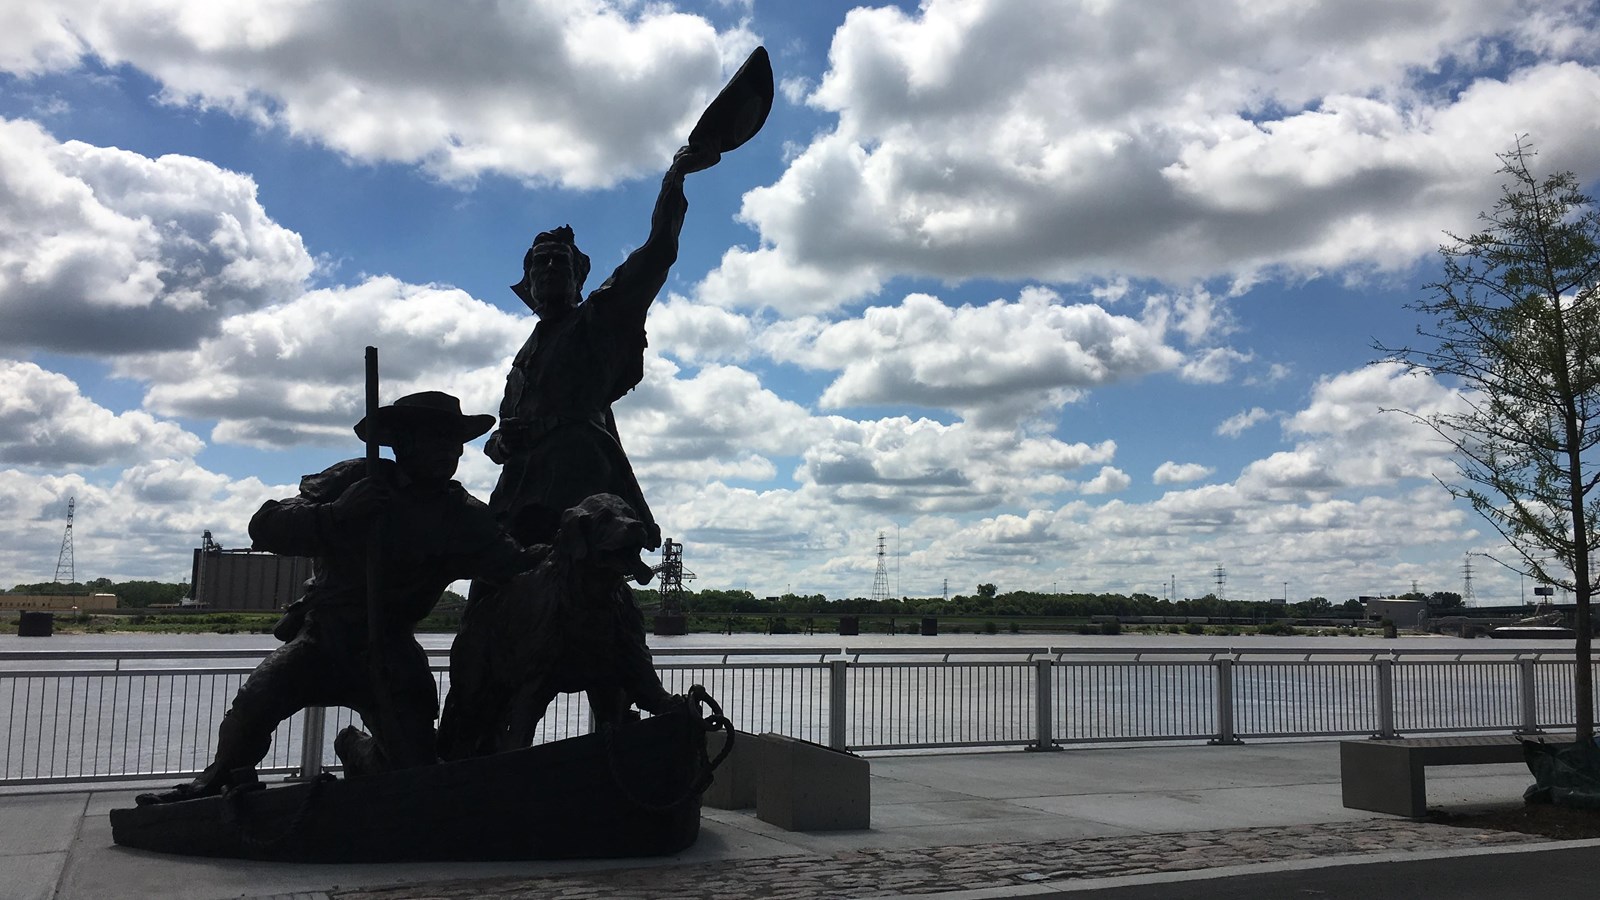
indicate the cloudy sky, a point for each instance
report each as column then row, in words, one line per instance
column 1055, row 294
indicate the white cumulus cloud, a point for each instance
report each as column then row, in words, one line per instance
column 582, row 93
column 1060, row 140
column 294, row 373
column 995, row 364
column 105, row 251
column 1240, row 422
column 1171, row 472
column 46, row 421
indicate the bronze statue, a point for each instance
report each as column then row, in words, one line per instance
column 558, row 616
column 568, row 625
column 557, row 441
column 559, row 450
column 434, row 533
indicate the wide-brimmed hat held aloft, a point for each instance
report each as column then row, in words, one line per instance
column 425, row 411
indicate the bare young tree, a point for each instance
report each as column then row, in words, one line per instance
column 1515, row 323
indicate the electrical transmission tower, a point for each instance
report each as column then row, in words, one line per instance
column 880, row 581
column 64, row 561
column 1222, row 582
column 1468, row 598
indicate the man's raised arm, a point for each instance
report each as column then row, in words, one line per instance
column 630, row 290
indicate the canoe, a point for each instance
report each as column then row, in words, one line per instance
column 630, row 790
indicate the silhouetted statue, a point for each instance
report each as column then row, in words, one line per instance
column 433, row 533
column 557, row 440
column 555, row 617
column 568, row 625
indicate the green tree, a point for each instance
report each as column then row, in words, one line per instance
column 1444, row 599
column 1516, row 323
column 1314, row 607
column 139, row 594
column 986, row 591
column 49, row 587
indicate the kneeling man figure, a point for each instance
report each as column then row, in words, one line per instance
column 433, row 533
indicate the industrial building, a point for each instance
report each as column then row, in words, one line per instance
column 246, row 579
column 1403, row 613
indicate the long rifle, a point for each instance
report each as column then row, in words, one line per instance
column 384, row 709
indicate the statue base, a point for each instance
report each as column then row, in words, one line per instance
column 633, row 790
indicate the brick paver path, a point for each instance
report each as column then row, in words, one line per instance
column 876, row 873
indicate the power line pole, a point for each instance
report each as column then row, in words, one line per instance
column 64, row 560
column 880, row 580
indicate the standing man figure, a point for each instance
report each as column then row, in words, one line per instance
column 433, row 533
column 557, row 441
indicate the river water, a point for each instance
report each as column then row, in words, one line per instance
column 720, row 643
column 85, row 718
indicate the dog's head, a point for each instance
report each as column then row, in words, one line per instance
column 604, row 533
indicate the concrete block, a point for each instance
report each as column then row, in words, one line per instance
column 733, row 784
column 801, row 786
column 1382, row 777
column 36, row 624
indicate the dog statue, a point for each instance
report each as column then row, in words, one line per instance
column 569, row 624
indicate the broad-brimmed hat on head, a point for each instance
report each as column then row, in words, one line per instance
column 580, row 263
column 428, row 410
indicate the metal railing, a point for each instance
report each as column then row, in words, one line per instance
column 105, row 716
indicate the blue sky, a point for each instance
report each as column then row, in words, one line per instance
column 1055, row 294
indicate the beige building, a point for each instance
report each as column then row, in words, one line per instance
column 58, row 602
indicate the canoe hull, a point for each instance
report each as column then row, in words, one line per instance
column 632, row 792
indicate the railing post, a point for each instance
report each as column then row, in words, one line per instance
column 1225, row 733
column 1386, row 700
column 1044, row 737
column 837, row 693
column 311, row 743
column 1528, row 691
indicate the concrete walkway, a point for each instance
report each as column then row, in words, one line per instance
column 1165, row 819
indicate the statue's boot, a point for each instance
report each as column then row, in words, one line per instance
column 358, row 751
column 194, row 790
column 238, row 751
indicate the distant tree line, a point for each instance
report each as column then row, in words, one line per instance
column 987, row 601
column 137, row 594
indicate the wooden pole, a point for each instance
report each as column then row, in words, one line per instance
column 374, row 538
column 375, row 611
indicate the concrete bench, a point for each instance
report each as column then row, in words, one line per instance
column 801, row 786
column 793, row 784
column 733, row 784
column 1387, row 776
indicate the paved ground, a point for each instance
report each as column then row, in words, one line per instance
column 932, row 870
column 977, row 825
